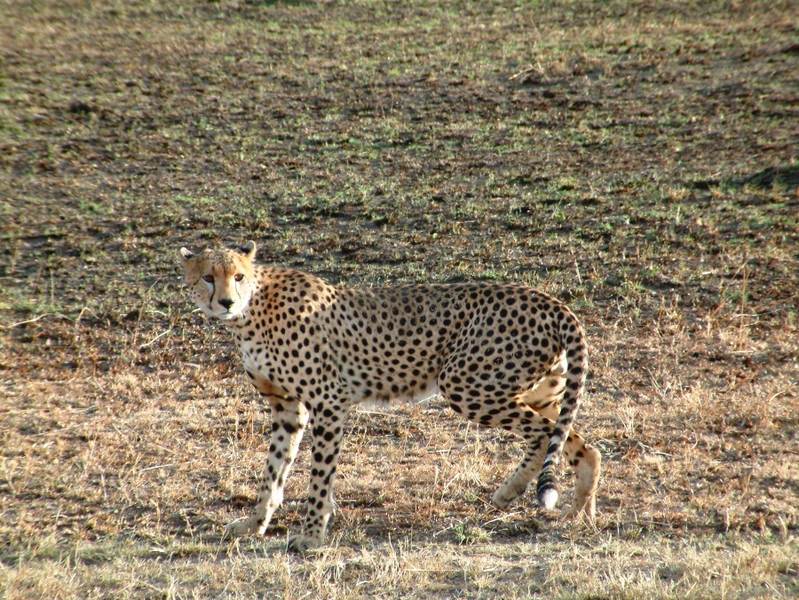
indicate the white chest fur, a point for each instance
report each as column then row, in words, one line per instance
column 251, row 361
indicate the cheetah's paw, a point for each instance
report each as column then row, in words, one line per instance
column 584, row 510
column 242, row 527
column 500, row 501
column 505, row 495
column 303, row 543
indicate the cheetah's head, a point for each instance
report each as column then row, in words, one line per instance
column 221, row 281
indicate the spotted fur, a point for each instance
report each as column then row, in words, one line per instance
column 502, row 355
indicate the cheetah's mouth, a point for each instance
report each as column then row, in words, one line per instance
column 224, row 314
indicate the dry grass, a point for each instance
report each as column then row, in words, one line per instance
column 642, row 166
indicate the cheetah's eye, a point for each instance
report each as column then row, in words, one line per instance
column 238, row 277
column 208, row 278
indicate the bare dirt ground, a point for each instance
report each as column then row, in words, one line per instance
column 636, row 159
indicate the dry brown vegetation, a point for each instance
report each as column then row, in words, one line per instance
column 634, row 159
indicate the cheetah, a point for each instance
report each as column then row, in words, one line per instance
column 501, row 355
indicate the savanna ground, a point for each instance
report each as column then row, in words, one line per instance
column 637, row 160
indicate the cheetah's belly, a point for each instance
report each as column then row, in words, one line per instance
column 414, row 397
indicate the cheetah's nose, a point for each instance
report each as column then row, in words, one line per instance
column 226, row 302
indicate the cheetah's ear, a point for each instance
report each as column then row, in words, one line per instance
column 186, row 254
column 248, row 249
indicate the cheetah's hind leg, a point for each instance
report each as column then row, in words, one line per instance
column 586, row 461
column 546, row 393
column 501, row 408
column 587, row 464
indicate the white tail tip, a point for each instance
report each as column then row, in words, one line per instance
column 549, row 498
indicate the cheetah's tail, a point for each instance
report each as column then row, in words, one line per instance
column 572, row 340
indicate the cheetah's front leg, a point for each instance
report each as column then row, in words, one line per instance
column 327, row 426
column 288, row 423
